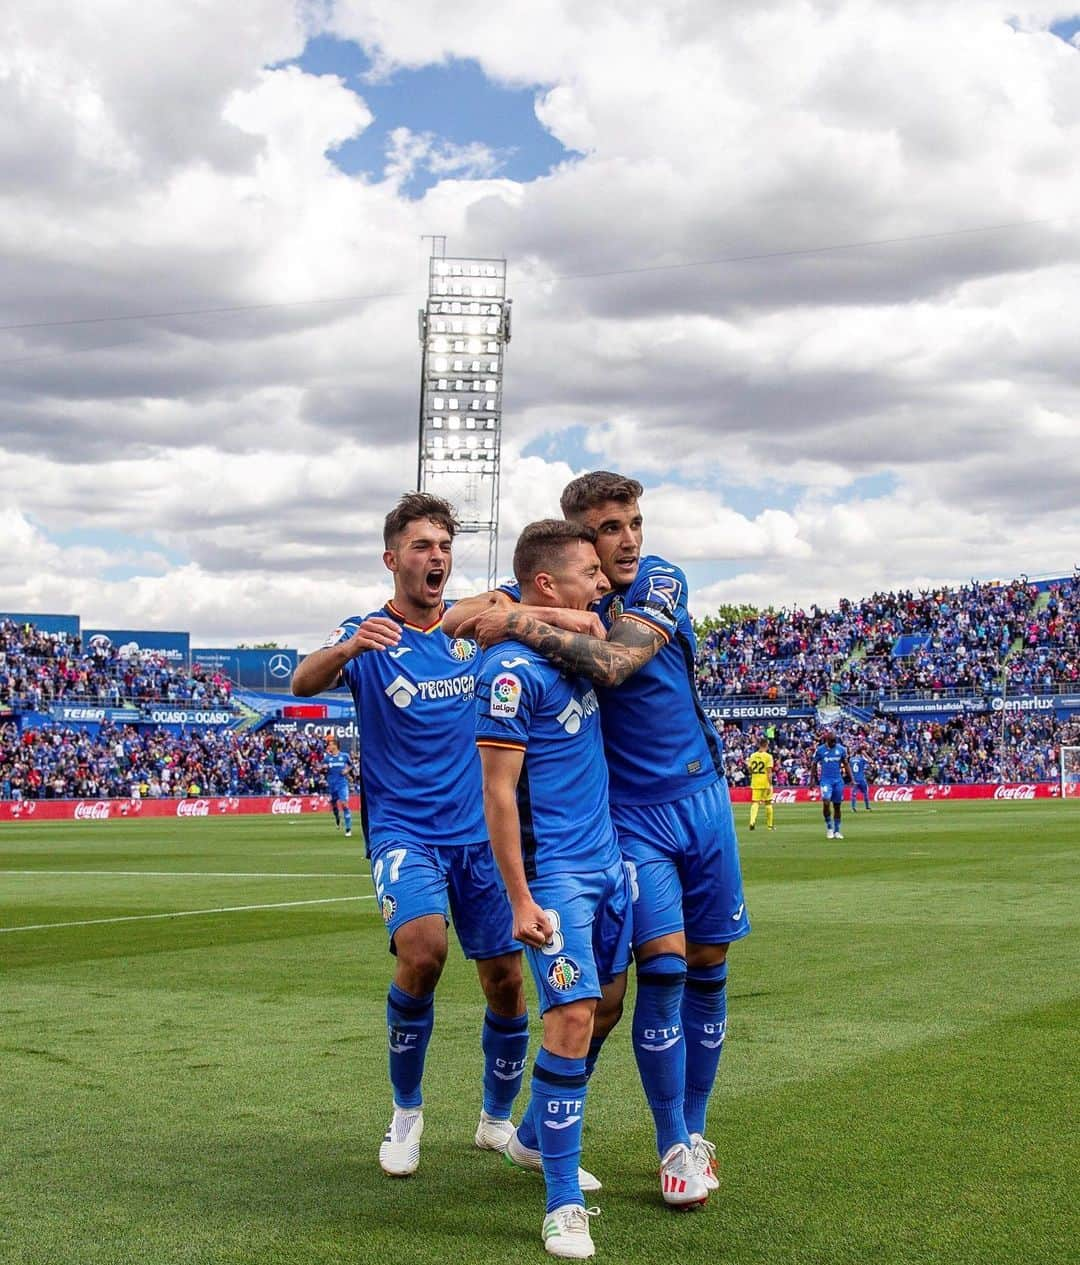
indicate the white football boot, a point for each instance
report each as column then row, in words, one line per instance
column 525, row 1157
column 492, row 1134
column 399, row 1154
column 566, row 1232
column 705, row 1155
column 682, row 1182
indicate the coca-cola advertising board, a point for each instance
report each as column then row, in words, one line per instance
column 131, row 809
column 914, row 794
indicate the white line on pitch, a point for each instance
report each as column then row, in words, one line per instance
column 178, row 874
column 181, row 913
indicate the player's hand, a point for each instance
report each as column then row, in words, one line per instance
column 531, row 925
column 490, row 626
column 585, row 622
column 376, row 633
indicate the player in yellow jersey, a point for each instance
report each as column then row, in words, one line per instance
column 760, row 765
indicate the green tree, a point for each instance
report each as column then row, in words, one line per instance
column 727, row 615
column 257, row 645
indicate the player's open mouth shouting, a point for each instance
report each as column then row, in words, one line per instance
column 434, row 580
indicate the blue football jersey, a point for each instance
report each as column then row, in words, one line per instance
column 419, row 769
column 524, row 701
column 336, row 767
column 660, row 744
column 830, row 759
column 857, row 764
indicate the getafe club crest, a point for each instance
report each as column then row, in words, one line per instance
column 389, row 908
column 563, row 974
column 461, row 649
column 616, row 608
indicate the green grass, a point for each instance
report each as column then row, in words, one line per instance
column 899, row 1083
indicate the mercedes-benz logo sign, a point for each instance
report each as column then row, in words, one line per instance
column 280, row 665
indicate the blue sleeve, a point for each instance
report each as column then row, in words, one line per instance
column 658, row 595
column 505, row 702
column 511, row 588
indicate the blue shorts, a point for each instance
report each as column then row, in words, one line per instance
column 338, row 792
column 832, row 792
column 683, row 860
column 415, row 879
column 861, row 787
column 590, row 945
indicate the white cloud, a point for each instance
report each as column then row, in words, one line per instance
column 161, row 158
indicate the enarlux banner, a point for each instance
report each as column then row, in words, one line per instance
column 133, row 809
column 914, row 794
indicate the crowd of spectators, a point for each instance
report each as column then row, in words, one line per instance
column 964, row 748
column 40, row 668
column 61, row 762
column 965, row 639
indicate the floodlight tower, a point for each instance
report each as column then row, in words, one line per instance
column 464, row 330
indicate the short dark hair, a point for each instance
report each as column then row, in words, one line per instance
column 589, row 490
column 540, row 546
column 416, row 505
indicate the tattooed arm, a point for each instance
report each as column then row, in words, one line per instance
column 629, row 646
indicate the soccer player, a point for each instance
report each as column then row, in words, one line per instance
column 671, row 809
column 546, row 800
column 423, row 820
column 760, row 765
column 336, row 765
column 859, row 786
column 830, row 767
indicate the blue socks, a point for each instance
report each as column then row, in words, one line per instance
column 348, row 818
column 659, row 1047
column 505, row 1043
column 557, row 1108
column 409, row 1021
column 704, row 1018
column 526, row 1130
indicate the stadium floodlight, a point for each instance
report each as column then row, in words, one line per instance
column 1070, row 772
column 464, row 330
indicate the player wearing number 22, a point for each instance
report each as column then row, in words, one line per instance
column 546, row 800
column 423, row 820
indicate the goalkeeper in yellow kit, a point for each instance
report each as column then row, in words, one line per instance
column 760, row 765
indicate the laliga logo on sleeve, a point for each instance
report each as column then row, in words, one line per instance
column 338, row 635
column 461, row 649
column 401, row 692
column 505, row 695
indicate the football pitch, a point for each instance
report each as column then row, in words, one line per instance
column 193, row 1050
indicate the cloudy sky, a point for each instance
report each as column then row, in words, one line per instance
column 809, row 270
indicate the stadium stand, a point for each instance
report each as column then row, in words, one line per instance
column 64, row 762
column 39, row 668
column 981, row 649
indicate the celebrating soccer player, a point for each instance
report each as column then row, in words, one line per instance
column 859, row 784
column 830, row 767
column 335, row 764
column 671, row 809
column 423, row 819
column 760, row 765
column 546, row 800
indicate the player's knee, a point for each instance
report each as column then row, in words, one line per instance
column 503, row 985
column 607, row 1016
column 568, row 1029
column 701, row 955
